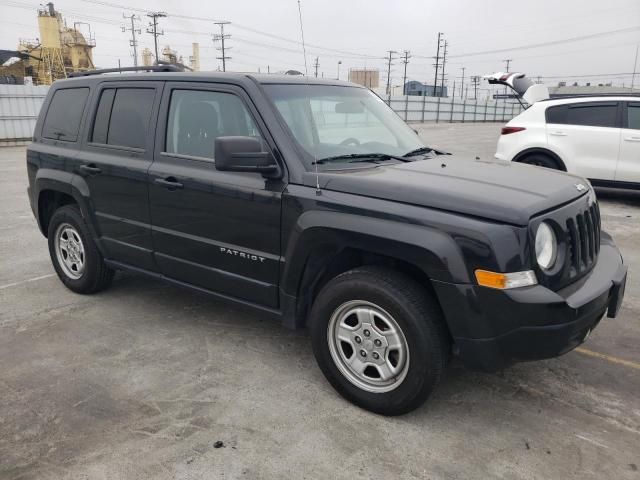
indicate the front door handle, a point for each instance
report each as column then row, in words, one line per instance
column 632, row 139
column 558, row 134
column 170, row 182
column 91, row 169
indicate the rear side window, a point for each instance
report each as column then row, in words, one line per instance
column 198, row 117
column 601, row 114
column 123, row 117
column 64, row 114
column 633, row 116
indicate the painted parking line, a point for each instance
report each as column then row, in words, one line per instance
column 28, row 280
column 608, row 358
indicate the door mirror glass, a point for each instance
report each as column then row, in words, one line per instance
column 243, row 154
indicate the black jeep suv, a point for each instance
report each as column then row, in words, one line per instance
column 314, row 202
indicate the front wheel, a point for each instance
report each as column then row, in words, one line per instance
column 379, row 339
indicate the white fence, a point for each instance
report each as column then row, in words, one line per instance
column 452, row 109
column 20, row 104
column 19, row 108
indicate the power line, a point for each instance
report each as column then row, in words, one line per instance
column 153, row 29
column 221, row 38
column 133, row 42
column 550, row 43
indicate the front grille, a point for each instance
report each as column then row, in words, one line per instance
column 583, row 240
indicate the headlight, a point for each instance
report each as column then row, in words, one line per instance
column 546, row 246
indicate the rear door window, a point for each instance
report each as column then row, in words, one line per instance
column 62, row 121
column 590, row 114
column 633, row 116
column 123, row 117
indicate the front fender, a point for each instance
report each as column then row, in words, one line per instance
column 433, row 251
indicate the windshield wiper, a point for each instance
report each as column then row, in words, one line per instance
column 360, row 157
column 424, row 150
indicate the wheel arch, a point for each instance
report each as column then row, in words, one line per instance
column 54, row 189
column 320, row 253
column 541, row 150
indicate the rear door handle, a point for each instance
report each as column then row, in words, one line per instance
column 90, row 169
column 170, row 182
column 632, row 139
column 558, row 134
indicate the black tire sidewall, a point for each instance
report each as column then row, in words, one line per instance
column 544, row 161
column 426, row 360
column 92, row 259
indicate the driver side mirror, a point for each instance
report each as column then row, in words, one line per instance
column 243, row 154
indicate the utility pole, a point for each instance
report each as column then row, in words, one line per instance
column 133, row 42
column 462, row 89
column 316, row 65
column 339, row 63
column 444, row 62
column 404, row 78
column 391, row 52
column 153, row 28
column 475, row 80
column 507, row 62
column 221, row 38
column 435, row 78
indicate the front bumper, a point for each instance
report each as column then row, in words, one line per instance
column 495, row 328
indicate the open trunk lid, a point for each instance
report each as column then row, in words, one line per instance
column 524, row 87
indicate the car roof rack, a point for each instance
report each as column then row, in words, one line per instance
column 149, row 68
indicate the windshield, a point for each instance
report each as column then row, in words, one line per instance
column 333, row 122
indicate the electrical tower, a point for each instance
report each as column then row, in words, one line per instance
column 153, row 29
column 221, row 38
column 444, row 62
column 133, row 42
column 435, row 78
column 316, row 65
column 389, row 60
column 404, row 78
column 462, row 86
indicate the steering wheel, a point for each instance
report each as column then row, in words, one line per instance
column 350, row 141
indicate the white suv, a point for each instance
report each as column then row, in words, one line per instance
column 594, row 137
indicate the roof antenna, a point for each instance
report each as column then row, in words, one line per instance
column 304, row 49
column 306, row 76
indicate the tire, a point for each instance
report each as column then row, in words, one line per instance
column 74, row 254
column 541, row 160
column 385, row 298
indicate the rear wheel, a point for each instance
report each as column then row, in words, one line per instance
column 541, row 160
column 379, row 339
column 74, row 254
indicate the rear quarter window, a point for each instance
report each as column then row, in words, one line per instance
column 63, row 117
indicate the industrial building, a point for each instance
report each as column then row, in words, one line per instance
column 58, row 51
column 366, row 77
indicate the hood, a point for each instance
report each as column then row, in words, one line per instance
column 521, row 85
column 493, row 189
